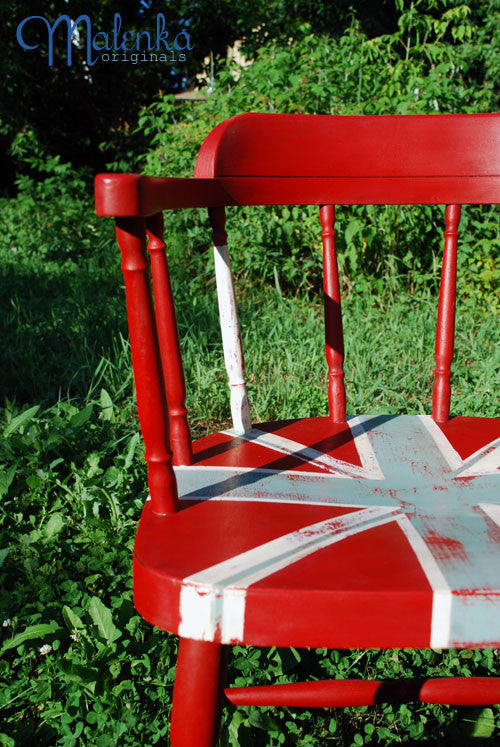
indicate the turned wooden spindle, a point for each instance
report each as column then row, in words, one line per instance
column 446, row 318
column 334, row 338
column 229, row 324
column 168, row 337
column 151, row 402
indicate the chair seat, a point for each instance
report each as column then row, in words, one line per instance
column 382, row 532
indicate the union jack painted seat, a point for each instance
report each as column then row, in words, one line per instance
column 341, row 531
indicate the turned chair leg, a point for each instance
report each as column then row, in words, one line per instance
column 198, row 693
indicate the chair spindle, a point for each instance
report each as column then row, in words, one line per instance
column 334, row 338
column 230, row 327
column 168, row 337
column 151, row 404
column 446, row 318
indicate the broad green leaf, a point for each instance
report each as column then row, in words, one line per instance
column 6, row 477
column 54, row 525
column 33, row 631
column 484, row 725
column 20, row 420
column 6, row 741
column 106, row 405
column 236, row 721
column 3, row 554
column 353, row 227
column 86, row 676
column 71, row 619
column 80, row 418
column 131, row 450
column 101, row 617
column 262, row 721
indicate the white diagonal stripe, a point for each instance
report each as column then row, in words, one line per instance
column 452, row 456
column 492, row 510
column 314, row 456
column 486, row 461
column 215, row 596
column 364, row 447
column 441, row 597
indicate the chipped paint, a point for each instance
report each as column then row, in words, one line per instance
column 447, row 529
column 231, row 341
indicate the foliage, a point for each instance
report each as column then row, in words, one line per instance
column 70, row 110
column 414, row 70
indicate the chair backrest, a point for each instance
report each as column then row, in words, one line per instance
column 442, row 158
column 264, row 159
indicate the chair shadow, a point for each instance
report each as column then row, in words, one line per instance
column 281, row 464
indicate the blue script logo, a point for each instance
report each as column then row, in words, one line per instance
column 109, row 46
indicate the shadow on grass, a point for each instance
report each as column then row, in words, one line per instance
column 58, row 323
column 55, row 325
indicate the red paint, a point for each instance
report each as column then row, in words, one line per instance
column 467, row 434
column 348, row 693
column 322, row 434
column 173, row 372
column 445, row 548
column 212, row 531
column 148, row 195
column 333, row 439
column 301, row 145
column 458, row 691
column 334, row 338
column 198, row 692
column 151, row 405
column 373, row 577
column 446, row 318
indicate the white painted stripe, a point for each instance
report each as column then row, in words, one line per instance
column 215, row 597
column 259, row 562
column 231, row 341
column 442, row 596
column 235, row 471
column 364, row 447
column 452, row 456
column 487, row 461
column 197, row 610
column 305, row 453
column 492, row 510
column 271, row 499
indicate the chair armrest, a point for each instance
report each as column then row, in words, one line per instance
column 128, row 195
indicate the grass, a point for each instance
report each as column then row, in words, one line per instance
column 78, row 666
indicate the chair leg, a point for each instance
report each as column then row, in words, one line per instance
column 198, row 693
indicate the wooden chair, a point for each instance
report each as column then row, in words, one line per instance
column 369, row 531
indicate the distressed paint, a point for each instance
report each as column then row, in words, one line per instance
column 226, row 582
column 439, row 501
column 229, row 323
column 231, row 341
column 325, row 462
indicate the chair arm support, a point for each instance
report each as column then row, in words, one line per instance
column 134, row 195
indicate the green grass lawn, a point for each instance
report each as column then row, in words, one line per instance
column 78, row 665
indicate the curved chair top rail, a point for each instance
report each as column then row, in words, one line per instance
column 283, row 159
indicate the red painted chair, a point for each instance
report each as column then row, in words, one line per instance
column 370, row 531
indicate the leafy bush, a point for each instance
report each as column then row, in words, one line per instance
column 429, row 65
